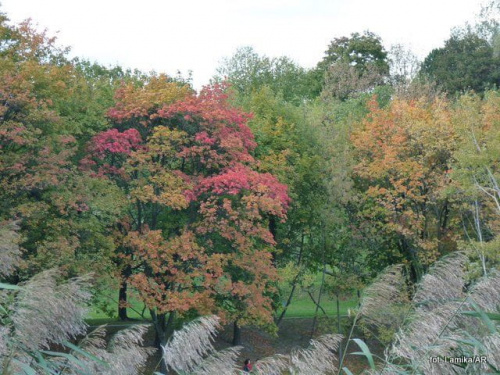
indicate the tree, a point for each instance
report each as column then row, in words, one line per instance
column 289, row 146
column 196, row 239
column 352, row 65
column 476, row 173
column 404, row 65
column 247, row 71
column 60, row 211
column 405, row 155
column 466, row 62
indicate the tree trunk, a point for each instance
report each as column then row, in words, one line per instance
column 288, row 302
column 318, row 305
column 294, row 284
column 236, row 334
column 339, row 326
column 163, row 330
column 273, row 228
column 122, row 293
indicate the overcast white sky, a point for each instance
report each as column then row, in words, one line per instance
column 167, row 36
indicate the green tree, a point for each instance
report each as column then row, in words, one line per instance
column 477, row 174
column 466, row 62
column 247, row 71
column 352, row 65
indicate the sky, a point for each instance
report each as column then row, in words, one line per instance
column 195, row 35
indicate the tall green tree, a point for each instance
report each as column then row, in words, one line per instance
column 352, row 65
column 248, row 71
column 466, row 62
column 476, row 174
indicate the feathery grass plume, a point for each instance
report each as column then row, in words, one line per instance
column 220, row 363
column 94, row 343
column 486, row 293
column 483, row 296
column 188, row 346
column 318, row 359
column 384, row 303
column 10, row 254
column 492, row 345
column 124, row 355
column 94, row 340
column 427, row 334
column 443, row 282
column 388, row 369
column 274, row 365
column 48, row 312
column 4, row 334
column 445, row 322
column 436, row 327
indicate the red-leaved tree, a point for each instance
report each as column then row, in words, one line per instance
column 197, row 237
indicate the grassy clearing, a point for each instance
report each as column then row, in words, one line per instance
column 301, row 307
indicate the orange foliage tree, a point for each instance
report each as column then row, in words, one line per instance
column 404, row 155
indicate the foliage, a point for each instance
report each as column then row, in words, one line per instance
column 247, row 72
column 353, row 65
column 466, row 62
column 183, row 198
column 361, row 50
column 403, row 172
column 62, row 214
column 476, row 171
column 197, row 236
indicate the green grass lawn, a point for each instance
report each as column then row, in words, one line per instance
column 301, row 307
column 96, row 316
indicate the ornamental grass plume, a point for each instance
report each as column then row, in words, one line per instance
column 432, row 329
column 191, row 351
column 4, row 333
column 38, row 314
column 384, row 303
column 223, row 362
column 486, row 293
column 124, row 354
column 10, row 253
column 318, row 359
column 188, row 346
column 47, row 311
column 447, row 321
column 444, row 282
column 274, row 365
column 492, row 349
column 428, row 334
